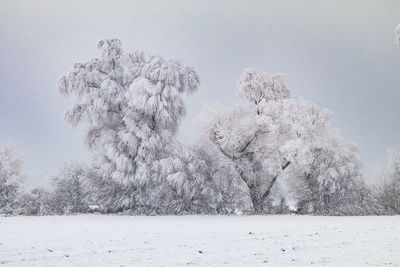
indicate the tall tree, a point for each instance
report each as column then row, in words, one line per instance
column 133, row 105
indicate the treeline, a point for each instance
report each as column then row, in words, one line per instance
column 72, row 193
column 244, row 155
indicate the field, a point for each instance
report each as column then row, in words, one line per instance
column 99, row 240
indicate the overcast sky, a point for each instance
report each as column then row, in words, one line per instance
column 340, row 55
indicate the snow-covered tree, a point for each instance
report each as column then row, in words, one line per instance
column 260, row 139
column 258, row 87
column 333, row 182
column 133, row 105
column 71, row 193
column 388, row 189
column 398, row 35
column 10, row 178
column 223, row 191
column 36, row 202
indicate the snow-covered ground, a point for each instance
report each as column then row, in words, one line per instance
column 99, row 240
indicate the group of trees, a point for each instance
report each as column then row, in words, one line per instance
column 132, row 105
column 69, row 193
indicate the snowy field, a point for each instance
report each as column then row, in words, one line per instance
column 99, row 240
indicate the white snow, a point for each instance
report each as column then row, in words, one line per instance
column 99, row 240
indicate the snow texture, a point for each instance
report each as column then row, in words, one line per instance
column 98, row 240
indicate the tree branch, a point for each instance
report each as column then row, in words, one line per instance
column 232, row 158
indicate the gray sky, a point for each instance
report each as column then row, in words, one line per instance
column 339, row 54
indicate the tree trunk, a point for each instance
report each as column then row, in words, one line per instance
column 256, row 199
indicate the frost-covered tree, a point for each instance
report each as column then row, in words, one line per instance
column 190, row 184
column 223, row 191
column 398, row 35
column 133, row 105
column 71, row 192
column 260, row 139
column 333, row 181
column 388, row 189
column 258, row 87
column 10, row 178
column 36, row 202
